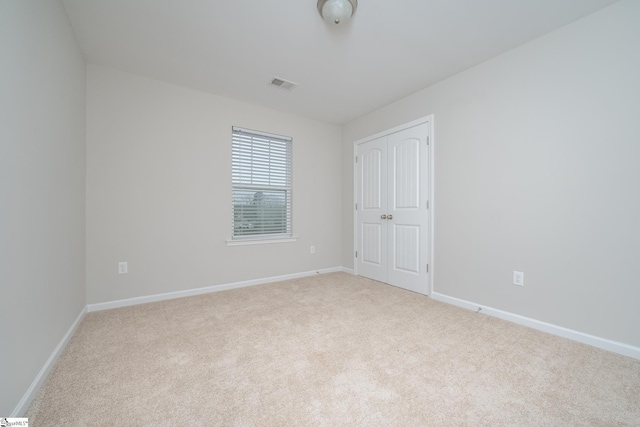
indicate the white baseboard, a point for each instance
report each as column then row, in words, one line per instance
column 603, row 343
column 33, row 389
column 199, row 291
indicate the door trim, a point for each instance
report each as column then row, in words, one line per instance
column 426, row 119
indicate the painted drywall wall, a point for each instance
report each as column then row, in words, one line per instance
column 42, row 189
column 159, row 189
column 536, row 170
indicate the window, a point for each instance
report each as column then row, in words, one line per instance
column 261, row 179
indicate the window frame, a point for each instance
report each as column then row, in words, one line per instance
column 282, row 177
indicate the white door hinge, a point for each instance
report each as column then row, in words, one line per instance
column 427, row 268
column 356, row 206
column 427, row 204
column 356, row 254
column 356, row 159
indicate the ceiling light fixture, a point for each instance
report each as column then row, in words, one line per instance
column 337, row 11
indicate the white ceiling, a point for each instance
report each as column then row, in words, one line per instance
column 233, row 48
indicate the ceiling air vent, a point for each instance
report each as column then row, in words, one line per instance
column 282, row 83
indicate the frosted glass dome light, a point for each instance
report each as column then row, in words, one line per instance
column 337, row 11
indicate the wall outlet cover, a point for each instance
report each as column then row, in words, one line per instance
column 518, row 278
column 123, row 268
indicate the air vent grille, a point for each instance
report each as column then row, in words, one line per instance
column 282, row 83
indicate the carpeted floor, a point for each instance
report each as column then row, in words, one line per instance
column 328, row 350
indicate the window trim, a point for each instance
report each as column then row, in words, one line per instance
column 261, row 241
column 264, row 238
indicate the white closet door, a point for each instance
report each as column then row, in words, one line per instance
column 392, row 219
column 372, row 204
column 408, row 191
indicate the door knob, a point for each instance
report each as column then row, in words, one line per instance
column 389, row 216
column 383, row 217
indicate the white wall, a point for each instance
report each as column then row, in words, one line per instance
column 537, row 169
column 42, row 189
column 159, row 189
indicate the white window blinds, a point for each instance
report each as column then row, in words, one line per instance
column 261, row 179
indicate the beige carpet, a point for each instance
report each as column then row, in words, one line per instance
column 328, row 350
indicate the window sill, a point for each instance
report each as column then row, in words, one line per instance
column 262, row 241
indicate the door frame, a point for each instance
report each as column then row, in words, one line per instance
column 426, row 119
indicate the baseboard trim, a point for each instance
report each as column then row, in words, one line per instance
column 33, row 389
column 602, row 343
column 347, row 270
column 199, row 291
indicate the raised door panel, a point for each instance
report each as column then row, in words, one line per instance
column 371, row 179
column 371, row 243
column 407, row 248
column 406, row 174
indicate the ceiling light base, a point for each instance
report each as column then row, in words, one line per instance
column 337, row 12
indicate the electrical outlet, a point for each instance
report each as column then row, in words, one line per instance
column 312, row 249
column 123, row 267
column 518, row 278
